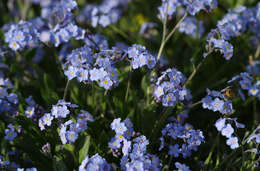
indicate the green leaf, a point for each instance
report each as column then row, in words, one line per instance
column 84, row 150
column 48, row 82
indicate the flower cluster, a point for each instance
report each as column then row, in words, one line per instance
column 223, row 46
column 94, row 163
column 22, row 35
column 8, row 101
column 169, row 7
column 61, row 34
column 140, row 57
column 60, row 110
column 217, row 101
column 133, row 148
column 169, row 89
column 104, row 14
column 96, row 41
column 56, row 11
column 224, row 126
column 71, row 135
column 88, row 67
column 191, row 26
column 177, row 131
column 60, row 20
column 233, row 24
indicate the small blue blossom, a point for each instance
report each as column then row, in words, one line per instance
column 10, row 134
column 174, row 150
column 220, row 124
column 217, row 104
column 29, row 112
column 182, row 167
column 71, row 136
column 47, row 118
column 227, row 131
column 233, row 142
column 207, row 102
column 114, row 143
column 71, row 72
column 191, row 26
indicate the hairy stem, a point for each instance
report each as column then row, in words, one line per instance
column 166, row 38
column 194, row 72
column 176, row 27
column 128, row 84
column 257, row 53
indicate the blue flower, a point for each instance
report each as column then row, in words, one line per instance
column 174, row 150
column 217, row 104
column 227, row 108
column 106, row 82
column 47, row 118
column 10, row 134
column 220, row 124
column 29, row 112
column 191, row 26
column 227, row 131
column 63, row 111
column 71, row 136
column 254, row 136
column 13, row 98
column 207, row 102
column 118, row 127
column 185, row 151
column 169, row 100
column 71, row 72
column 82, row 75
column 253, row 90
column 126, row 147
column 233, row 142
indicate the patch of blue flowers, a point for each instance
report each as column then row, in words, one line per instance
column 132, row 147
column 85, row 54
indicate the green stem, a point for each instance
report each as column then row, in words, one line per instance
column 25, row 9
column 66, row 90
column 225, row 160
column 194, row 104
